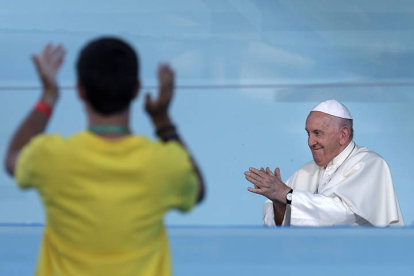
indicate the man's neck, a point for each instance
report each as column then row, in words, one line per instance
column 121, row 119
column 342, row 151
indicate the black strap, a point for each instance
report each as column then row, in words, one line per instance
column 164, row 129
column 287, row 200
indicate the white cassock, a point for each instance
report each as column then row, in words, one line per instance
column 355, row 188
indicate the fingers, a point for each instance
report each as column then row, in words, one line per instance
column 57, row 54
column 165, row 89
column 36, row 62
column 148, row 99
column 166, row 76
column 255, row 186
column 49, row 59
column 40, row 68
column 52, row 53
column 46, row 50
column 57, row 51
column 269, row 172
column 277, row 173
column 264, row 180
column 260, row 173
column 47, row 64
column 260, row 178
column 254, row 179
column 165, row 71
column 256, row 191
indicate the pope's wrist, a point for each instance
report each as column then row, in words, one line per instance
column 283, row 198
column 288, row 196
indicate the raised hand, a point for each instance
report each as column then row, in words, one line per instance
column 158, row 108
column 47, row 63
column 277, row 174
column 267, row 184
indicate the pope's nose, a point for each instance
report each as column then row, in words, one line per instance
column 311, row 142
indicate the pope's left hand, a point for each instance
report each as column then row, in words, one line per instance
column 267, row 184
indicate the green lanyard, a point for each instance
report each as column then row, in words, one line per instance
column 111, row 129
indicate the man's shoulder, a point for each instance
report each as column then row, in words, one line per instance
column 45, row 141
column 308, row 169
column 38, row 155
column 366, row 153
column 365, row 158
column 310, row 166
column 169, row 148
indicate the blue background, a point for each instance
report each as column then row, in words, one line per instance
column 248, row 72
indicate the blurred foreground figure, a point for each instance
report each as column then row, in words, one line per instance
column 345, row 184
column 105, row 190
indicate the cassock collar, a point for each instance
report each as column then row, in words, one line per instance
column 340, row 158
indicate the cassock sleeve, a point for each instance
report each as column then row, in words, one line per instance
column 309, row 209
column 268, row 214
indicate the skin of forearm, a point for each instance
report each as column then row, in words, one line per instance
column 279, row 210
column 47, row 64
column 34, row 124
column 165, row 120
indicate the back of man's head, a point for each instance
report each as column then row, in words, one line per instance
column 107, row 70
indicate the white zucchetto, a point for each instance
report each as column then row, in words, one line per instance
column 334, row 108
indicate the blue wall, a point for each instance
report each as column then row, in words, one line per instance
column 254, row 251
column 255, row 69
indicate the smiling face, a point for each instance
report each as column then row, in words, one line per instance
column 326, row 137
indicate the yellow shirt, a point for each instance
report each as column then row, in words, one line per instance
column 105, row 201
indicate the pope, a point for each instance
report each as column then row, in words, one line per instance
column 345, row 184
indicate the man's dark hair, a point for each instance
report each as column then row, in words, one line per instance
column 108, row 69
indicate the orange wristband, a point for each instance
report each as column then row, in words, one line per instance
column 44, row 108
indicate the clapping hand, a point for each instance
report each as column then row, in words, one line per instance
column 158, row 108
column 267, row 184
column 47, row 63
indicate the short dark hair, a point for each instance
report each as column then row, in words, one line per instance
column 107, row 69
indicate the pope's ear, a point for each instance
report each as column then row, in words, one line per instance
column 345, row 133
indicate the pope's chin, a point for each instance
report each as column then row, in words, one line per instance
column 318, row 161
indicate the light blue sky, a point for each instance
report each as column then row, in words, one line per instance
column 229, row 43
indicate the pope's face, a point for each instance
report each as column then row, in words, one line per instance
column 324, row 137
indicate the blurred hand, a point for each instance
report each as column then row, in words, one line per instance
column 158, row 108
column 48, row 63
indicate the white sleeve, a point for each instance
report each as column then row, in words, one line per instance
column 310, row 209
column 268, row 214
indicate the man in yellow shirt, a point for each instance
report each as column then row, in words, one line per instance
column 105, row 191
